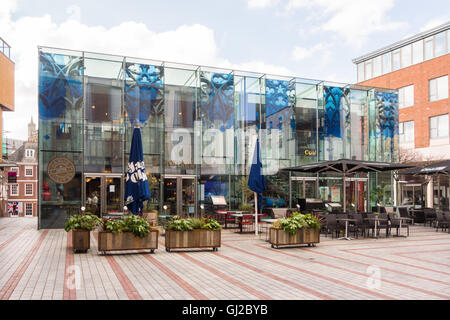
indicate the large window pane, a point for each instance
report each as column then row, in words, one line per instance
column 440, row 45
column 396, row 60
column 418, row 51
column 387, row 63
column 305, row 124
column 406, row 56
column 439, row 126
column 361, row 72
column 406, row 131
column 369, row 69
column 438, row 88
column 377, row 66
column 429, row 54
column 406, row 96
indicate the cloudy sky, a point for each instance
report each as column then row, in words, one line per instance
column 307, row 38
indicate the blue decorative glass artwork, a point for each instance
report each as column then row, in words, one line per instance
column 216, row 103
column 60, row 85
column 332, row 102
column 143, row 91
column 387, row 106
column 277, row 97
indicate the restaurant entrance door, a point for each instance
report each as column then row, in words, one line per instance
column 103, row 193
column 180, row 195
column 356, row 194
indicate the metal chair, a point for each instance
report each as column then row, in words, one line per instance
column 442, row 221
column 332, row 225
column 395, row 223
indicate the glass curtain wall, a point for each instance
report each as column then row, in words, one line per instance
column 61, row 102
column 144, row 108
column 199, row 127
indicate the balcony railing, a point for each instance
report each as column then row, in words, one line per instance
column 5, row 48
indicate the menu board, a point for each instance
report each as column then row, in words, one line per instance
column 218, row 200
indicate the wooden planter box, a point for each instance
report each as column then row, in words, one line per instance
column 108, row 241
column 193, row 239
column 279, row 237
column 81, row 240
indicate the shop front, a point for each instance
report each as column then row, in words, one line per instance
column 199, row 127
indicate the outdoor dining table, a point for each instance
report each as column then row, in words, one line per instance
column 240, row 215
column 346, row 220
column 377, row 221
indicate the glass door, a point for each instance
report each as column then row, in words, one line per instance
column 112, row 195
column 180, row 195
column 93, row 195
column 170, row 196
column 103, row 194
column 188, row 196
column 310, row 189
column 356, row 194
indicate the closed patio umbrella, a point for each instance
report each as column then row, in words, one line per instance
column 136, row 186
column 256, row 181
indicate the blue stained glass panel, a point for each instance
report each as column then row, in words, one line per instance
column 144, row 91
column 277, row 97
column 387, row 105
column 60, row 85
column 216, row 100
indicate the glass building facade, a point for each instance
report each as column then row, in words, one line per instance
column 199, row 127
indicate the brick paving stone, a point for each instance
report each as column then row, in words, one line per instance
column 33, row 266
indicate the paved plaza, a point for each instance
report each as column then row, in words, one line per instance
column 40, row 265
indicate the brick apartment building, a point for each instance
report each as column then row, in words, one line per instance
column 419, row 68
column 22, row 196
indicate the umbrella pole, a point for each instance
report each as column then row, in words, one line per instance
column 345, row 200
column 256, row 213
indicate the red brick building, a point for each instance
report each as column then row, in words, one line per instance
column 419, row 68
column 22, row 196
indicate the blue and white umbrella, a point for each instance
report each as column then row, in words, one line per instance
column 136, row 185
column 256, row 181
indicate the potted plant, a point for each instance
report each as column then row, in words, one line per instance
column 246, row 207
column 130, row 233
column 192, row 233
column 295, row 230
column 81, row 226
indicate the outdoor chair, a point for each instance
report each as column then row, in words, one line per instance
column 395, row 223
column 384, row 224
column 332, row 225
column 381, row 224
column 403, row 212
column 229, row 219
column 247, row 222
column 359, row 225
column 442, row 221
column 429, row 216
column 219, row 215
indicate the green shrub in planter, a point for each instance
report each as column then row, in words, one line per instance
column 297, row 221
column 130, row 223
column 179, row 224
column 86, row 221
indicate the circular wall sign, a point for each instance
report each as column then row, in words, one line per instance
column 61, row 170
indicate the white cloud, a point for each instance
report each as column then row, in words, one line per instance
column 352, row 20
column 261, row 4
column 195, row 44
column 301, row 53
